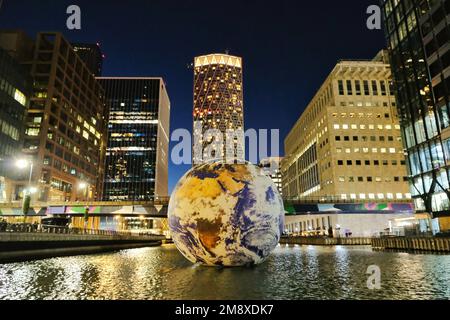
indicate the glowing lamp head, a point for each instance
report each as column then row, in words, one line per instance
column 22, row 163
column 82, row 185
column 33, row 190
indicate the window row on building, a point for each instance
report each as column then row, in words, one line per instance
column 373, row 196
column 369, row 162
column 352, row 87
column 15, row 93
column 385, row 104
column 368, row 150
column 372, row 162
column 366, row 126
column 372, row 179
column 9, row 130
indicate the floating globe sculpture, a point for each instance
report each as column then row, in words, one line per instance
column 226, row 215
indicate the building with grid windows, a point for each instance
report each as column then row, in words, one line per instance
column 65, row 126
column 138, row 139
column 271, row 167
column 418, row 35
column 218, row 105
column 347, row 144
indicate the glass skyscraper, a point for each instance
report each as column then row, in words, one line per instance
column 418, row 35
column 138, row 139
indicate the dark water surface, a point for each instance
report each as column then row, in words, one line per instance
column 292, row 272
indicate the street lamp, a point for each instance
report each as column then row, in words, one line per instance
column 23, row 164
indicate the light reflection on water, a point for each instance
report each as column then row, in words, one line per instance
column 292, row 272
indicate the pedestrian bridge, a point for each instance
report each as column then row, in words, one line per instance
column 158, row 208
column 153, row 209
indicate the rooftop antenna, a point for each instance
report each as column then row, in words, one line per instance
column 227, row 52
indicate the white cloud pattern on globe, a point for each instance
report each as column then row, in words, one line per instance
column 226, row 215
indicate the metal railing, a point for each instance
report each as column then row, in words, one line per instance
column 335, row 199
column 156, row 201
column 39, row 228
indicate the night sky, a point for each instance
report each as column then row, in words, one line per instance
column 288, row 47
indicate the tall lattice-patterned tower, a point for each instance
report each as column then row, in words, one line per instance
column 218, row 104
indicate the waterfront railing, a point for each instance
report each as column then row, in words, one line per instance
column 39, row 228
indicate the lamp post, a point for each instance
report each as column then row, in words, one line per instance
column 23, row 164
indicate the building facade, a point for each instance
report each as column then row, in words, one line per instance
column 347, row 144
column 418, row 35
column 91, row 55
column 219, row 106
column 272, row 167
column 65, row 124
column 15, row 93
column 138, row 139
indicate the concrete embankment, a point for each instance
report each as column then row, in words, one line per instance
column 322, row 241
column 412, row 244
column 407, row 244
column 16, row 247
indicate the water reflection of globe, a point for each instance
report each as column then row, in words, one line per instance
column 226, row 215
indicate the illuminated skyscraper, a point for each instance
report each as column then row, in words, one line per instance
column 218, row 104
column 418, row 34
column 65, row 125
column 347, row 143
column 138, row 139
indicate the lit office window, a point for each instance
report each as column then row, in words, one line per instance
column 341, row 87
column 349, row 88
column 358, row 87
column 20, row 97
column 366, row 88
column 374, row 88
column 383, row 87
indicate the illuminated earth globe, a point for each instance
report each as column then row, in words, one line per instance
column 226, row 215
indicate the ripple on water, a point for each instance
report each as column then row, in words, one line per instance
column 292, row 272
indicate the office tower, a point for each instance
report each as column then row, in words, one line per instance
column 91, row 55
column 15, row 93
column 347, row 143
column 17, row 44
column 418, row 34
column 65, row 124
column 272, row 167
column 138, row 139
column 218, row 105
